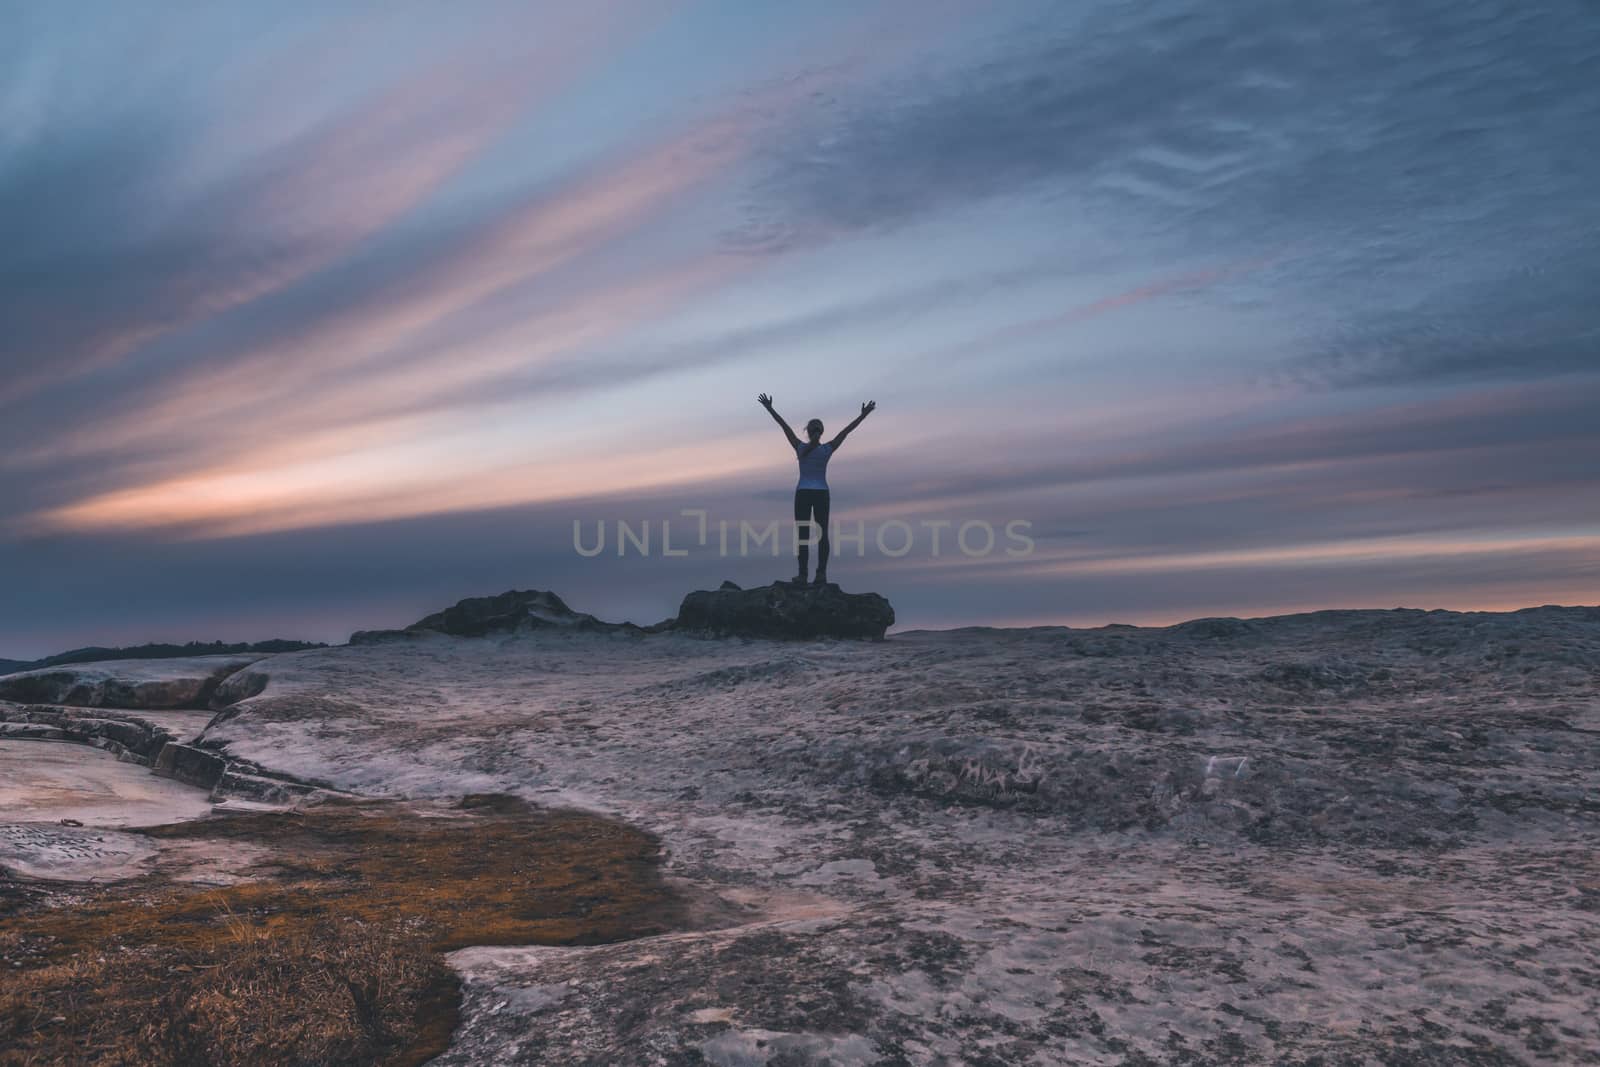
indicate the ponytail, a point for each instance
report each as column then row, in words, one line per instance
column 806, row 450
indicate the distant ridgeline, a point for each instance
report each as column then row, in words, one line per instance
column 95, row 654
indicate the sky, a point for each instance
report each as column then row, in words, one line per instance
column 320, row 317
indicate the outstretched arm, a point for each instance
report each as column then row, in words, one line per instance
column 766, row 402
column 866, row 409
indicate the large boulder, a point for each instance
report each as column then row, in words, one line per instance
column 785, row 610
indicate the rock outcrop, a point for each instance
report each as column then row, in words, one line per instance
column 510, row 612
column 785, row 610
column 165, row 683
column 781, row 610
column 133, row 739
column 188, row 651
column 125, row 736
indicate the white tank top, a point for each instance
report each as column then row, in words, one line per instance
column 813, row 466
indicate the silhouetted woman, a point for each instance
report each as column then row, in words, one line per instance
column 811, row 494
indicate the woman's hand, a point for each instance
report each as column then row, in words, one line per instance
column 868, row 408
column 766, row 401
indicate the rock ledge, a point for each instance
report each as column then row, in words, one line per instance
column 785, row 610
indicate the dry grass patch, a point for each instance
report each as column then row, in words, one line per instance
column 334, row 956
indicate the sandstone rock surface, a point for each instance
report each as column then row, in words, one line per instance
column 1339, row 837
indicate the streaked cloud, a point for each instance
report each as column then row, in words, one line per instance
column 1292, row 299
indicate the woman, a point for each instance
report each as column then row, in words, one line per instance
column 811, row 494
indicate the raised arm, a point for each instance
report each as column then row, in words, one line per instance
column 866, row 409
column 766, row 402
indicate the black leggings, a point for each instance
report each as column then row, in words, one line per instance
column 809, row 502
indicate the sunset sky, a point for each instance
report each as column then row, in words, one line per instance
column 322, row 316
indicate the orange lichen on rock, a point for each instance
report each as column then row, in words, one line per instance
column 333, row 955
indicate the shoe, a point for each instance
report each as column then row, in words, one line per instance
column 799, row 579
column 821, row 579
